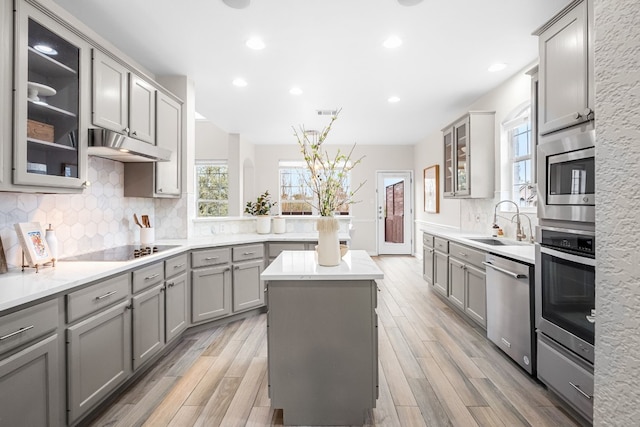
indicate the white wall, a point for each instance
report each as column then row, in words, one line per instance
column 378, row 158
column 617, row 112
column 470, row 214
column 211, row 141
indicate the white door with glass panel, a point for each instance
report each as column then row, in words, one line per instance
column 394, row 214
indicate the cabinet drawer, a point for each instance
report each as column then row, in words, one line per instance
column 427, row 239
column 175, row 266
column 26, row 325
column 441, row 244
column 465, row 253
column 209, row 257
column 567, row 375
column 276, row 248
column 146, row 277
column 243, row 253
column 96, row 297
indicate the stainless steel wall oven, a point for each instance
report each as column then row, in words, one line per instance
column 566, row 175
column 565, row 288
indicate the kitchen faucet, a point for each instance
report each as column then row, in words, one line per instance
column 519, row 234
column 531, row 238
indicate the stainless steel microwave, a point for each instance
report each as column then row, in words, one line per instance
column 566, row 175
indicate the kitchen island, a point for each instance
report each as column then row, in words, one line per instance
column 322, row 338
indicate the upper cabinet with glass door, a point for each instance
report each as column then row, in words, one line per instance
column 469, row 156
column 50, row 68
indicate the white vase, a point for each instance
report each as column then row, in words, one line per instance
column 328, row 242
column 263, row 224
column 279, row 225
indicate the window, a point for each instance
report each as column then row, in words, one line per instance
column 520, row 181
column 296, row 195
column 212, row 181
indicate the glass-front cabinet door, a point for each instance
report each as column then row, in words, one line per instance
column 447, row 135
column 461, row 147
column 49, row 134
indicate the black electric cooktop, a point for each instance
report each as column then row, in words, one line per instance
column 120, row 253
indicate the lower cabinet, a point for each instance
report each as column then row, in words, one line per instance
column 440, row 273
column 210, row 293
column 467, row 283
column 475, row 301
column 176, row 308
column 98, row 357
column 148, row 324
column 427, row 264
column 456, row 282
column 29, row 386
column 248, row 289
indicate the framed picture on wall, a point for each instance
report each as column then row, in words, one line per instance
column 431, row 189
column 34, row 245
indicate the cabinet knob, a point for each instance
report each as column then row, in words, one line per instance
column 134, row 133
column 586, row 112
column 159, row 190
column 86, row 184
column 125, row 130
column 577, row 115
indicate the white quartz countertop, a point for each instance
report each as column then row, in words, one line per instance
column 303, row 265
column 18, row 288
column 520, row 251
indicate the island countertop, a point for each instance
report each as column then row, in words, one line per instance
column 303, row 265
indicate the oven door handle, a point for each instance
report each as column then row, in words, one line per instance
column 569, row 257
column 507, row 272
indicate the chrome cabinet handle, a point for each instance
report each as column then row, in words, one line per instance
column 236, row 268
column 179, row 266
column 507, row 272
column 171, row 285
column 18, row 332
column 108, row 294
column 462, row 254
column 577, row 387
column 211, row 258
column 248, row 253
column 153, row 276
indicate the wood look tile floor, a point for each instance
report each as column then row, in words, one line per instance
column 435, row 369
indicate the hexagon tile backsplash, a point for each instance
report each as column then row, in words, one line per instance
column 100, row 217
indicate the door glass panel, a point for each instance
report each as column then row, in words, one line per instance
column 394, row 212
column 52, row 103
column 572, row 177
column 568, row 295
column 448, row 162
column 461, row 157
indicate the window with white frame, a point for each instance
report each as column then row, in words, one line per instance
column 296, row 195
column 212, row 188
column 521, row 155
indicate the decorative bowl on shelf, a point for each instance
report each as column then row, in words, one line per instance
column 36, row 90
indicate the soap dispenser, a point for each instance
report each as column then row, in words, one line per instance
column 52, row 241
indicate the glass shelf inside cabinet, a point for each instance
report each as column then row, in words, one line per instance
column 52, row 103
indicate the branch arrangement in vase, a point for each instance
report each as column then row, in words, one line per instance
column 329, row 175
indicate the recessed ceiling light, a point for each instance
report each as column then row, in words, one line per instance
column 255, row 43
column 239, row 82
column 409, row 2
column 393, row 99
column 295, row 91
column 392, row 42
column 237, row 4
column 200, row 116
column 47, row 50
column 498, row 66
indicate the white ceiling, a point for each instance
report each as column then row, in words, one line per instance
column 332, row 50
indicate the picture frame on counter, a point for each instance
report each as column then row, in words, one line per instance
column 432, row 189
column 3, row 259
column 35, row 249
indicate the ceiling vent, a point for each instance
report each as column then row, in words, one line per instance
column 327, row 112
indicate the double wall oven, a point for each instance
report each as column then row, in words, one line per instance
column 565, row 270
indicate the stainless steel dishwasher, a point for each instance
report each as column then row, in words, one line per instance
column 510, row 309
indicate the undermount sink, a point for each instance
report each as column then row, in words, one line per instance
column 487, row 241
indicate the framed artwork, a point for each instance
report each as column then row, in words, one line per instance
column 3, row 259
column 34, row 245
column 431, row 189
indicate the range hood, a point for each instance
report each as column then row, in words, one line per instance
column 115, row 146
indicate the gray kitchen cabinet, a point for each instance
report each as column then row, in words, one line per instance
column 475, row 300
column 248, row 288
column 456, row 282
column 566, row 94
column 49, row 140
column 176, row 296
column 441, row 266
column 160, row 179
column 427, row 257
column 323, row 350
column 122, row 101
column 29, row 387
column 148, row 324
column 29, row 367
column 274, row 248
column 98, row 358
column 176, row 306
column 210, row 293
column 469, row 156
